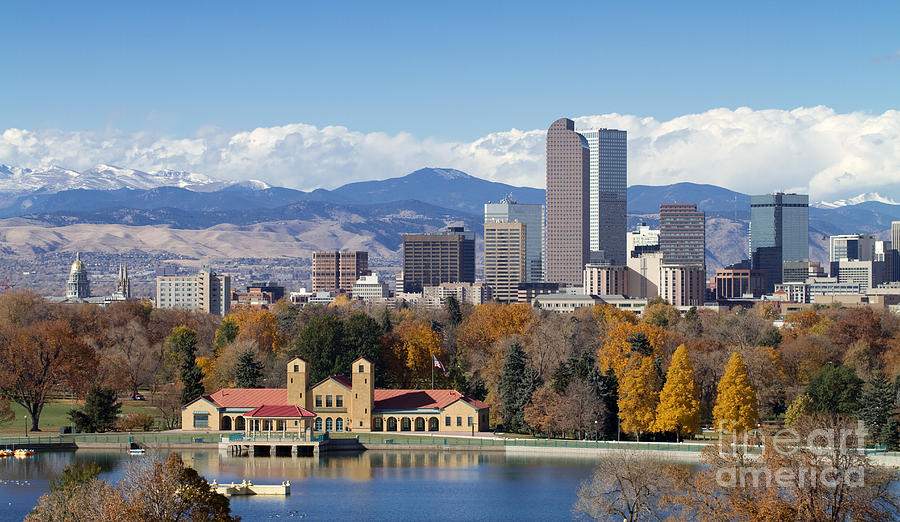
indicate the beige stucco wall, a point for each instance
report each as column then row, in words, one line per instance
column 187, row 415
column 326, row 388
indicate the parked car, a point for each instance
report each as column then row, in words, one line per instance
column 137, row 396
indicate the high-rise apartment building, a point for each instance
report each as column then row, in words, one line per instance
column 205, row 291
column 682, row 285
column 432, row 259
column 682, row 234
column 567, row 219
column 505, row 247
column 607, row 197
column 337, row 271
column 779, row 235
column 508, row 211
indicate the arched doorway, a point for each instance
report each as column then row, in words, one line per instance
column 420, row 424
column 318, row 424
column 405, row 424
column 377, row 424
column 239, row 423
column 339, row 425
column 226, row 423
column 329, row 424
column 433, row 424
column 392, row 424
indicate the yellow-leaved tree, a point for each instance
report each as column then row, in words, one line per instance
column 679, row 402
column 639, row 396
column 736, row 405
column 617, row 349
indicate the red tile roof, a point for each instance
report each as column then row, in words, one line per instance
column 248, row 397
column 279, row 410
column 421, row 399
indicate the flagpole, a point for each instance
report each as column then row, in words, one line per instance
column 432, row 370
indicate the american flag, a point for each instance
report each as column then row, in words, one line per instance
column 437, row 364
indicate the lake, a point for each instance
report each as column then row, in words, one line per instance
column 382, row 485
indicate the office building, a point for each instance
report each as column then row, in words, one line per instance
column 528, row 291
column 473, row 293
column 895, row 235
column 733, row 283
column 605, row 280
column 644, row 240
column 370, row 287
column 853, row 247
column 508, row 211
column 336, row 271
column 205, row 291
column 779, row 234
column 432, row 259
column 259, row 295
column 505, row 258
column 682, row 285
column 682, row 234
column 866, row 274
column 805, row 292
column 885, row 253
column 567, row 219
column 643, row 275
column 607, row 182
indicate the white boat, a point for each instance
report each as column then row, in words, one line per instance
column 137, row 451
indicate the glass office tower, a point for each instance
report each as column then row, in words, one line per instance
column 508, row 211
column 607, row 196
column 779, row 237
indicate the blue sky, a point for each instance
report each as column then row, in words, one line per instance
column 452, row 71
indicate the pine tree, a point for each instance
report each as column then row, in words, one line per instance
column 639, row 396
column 248, row 372
column 606, row 388
column 679, row 403
column 876, row 404
column 184, row 343
column 835, row 389
column 453, row 311
column 386, row 324
column 518, row 380
column 736, row 405
column 99, row 413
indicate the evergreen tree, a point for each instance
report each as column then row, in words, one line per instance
column 99, row 413
column 386, row 325
column 639, row 396
column 835, row 389
column 321, row 342
column 518, row 380
column 248, row 371
column 606, row 388
column 561, row 377
column 876, row 405
column 889, row 435
column 640, row 344
column 225, row 333
column 453, row 311
column 183, row 342
column 679, row 402
column 736, row 404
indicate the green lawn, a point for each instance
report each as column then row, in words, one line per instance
column 55, row 414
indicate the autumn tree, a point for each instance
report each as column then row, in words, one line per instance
column 625, row 486
column 225, row 333
column 482, row 334
column 679, row 404
column 419, row 343
column 639, row 396
column 38, row 358
column 624, row 339
column 258, row 325
column 801, row 407
column 736, row 405
column 183, row 344
column 518, row 380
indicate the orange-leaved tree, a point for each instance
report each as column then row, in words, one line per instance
column 736, row 405
column 639, row 396
column 679, row 400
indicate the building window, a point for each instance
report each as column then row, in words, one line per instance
column 362, row 368
column 471, row 421
column 318, row 401
column 329, row 424
column 447, row 421
column 318, row 424
column 459, row 421
column 339, row 401
column 328, row 401
column 296, row 367
column 201, row 420
column 339, row 425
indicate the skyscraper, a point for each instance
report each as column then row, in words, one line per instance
column 337, row 271
column 607, row 194
column 682, row 234
column 779, row 236
column 505, row 248
column 567, row 219
column 432, row 259
column 508, row 211
column 895, row 235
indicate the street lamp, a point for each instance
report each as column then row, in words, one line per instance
column 26, row 425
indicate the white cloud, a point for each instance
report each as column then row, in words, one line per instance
column 814, row 149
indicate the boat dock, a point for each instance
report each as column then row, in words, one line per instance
column 249, row 488
column 272, row 446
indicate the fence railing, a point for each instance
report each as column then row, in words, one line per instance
column 116, row 438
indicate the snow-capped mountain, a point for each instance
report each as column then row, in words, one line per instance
column 862, row 198
column 108, row 177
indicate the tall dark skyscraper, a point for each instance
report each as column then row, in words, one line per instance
column 567, row 218
column 607, row 196
column 432, row 259
column 779, row 236
column 682, row 234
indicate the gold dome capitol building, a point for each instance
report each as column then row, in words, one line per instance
column 78, row 286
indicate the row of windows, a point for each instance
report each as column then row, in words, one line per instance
column 338, row 401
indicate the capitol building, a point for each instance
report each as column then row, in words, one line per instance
column 78, row 286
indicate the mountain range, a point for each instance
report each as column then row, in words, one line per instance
column 56, row 209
